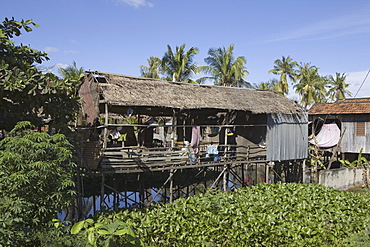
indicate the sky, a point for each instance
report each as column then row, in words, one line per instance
column 118, row 36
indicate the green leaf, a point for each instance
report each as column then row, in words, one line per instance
column 77, row 227
column 103, row 232
column 91, row 238
column 124, row 231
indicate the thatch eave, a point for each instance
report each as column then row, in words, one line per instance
column 128, row 91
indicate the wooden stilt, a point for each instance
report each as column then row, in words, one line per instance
column 102, row 193
column 106, row 126
column 171, row 186
column 225, row 175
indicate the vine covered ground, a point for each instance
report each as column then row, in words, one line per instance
column 263, row 215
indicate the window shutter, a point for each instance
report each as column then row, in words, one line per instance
column 360, row 129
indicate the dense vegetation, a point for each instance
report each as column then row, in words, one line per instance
column 263, row 215
column 25, row 92
column 36, row 172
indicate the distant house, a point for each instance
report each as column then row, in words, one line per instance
column 352, row 118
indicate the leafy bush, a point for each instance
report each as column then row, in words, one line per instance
column 107, row 232
column 57, row 234
column 263, row 215
column 36, row 182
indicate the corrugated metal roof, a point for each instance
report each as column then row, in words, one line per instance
column 346, row 106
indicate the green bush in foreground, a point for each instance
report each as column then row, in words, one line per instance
column 263, row 215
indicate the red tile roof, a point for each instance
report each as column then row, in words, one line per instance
column 346, row 106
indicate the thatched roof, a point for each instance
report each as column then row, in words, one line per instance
column 120, row 90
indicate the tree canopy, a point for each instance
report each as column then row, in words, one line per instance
column 25, row 92
column 310, row 86
column 153, row 69
column 223, row 68
column 286, row 68
column 338, row 86
column 179, row 64
column 36, row 172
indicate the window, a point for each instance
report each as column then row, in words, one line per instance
column 360, row 128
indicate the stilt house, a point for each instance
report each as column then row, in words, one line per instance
column 149, row 139
column 242, row 123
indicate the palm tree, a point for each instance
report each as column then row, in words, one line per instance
column 154, row 68
column 311, row 86
column 72, row 72
column 223, row 69
column 338, row 86
column 179, row 65
column 73, row 75
column 269, row 85
column 286, row 68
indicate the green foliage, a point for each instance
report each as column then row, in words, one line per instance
column 310, row 86
column 107, row 232
column 286, row 68
column 359, row 162
column 178, row 65
column 361, row 239
column 154, row 68
column 224, row 69
column 337, row 87
column 57, row 234
column 315, row 157
column 263, row 215
column 36, row 172
column 26, row 93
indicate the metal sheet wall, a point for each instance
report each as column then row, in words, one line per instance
column 351, row 143
column 287, row 136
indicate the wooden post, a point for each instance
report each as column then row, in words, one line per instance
column 102, row 193
column 336, row 149
column 115, row 194
column 171, row 186
column 174, row 129
column 225, row 177
column 106, row 126
column 267, row 170
column 304, row 171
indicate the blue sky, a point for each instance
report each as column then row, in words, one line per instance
column 120, row 35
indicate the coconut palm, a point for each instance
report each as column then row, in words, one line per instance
column 286, row 68
column 310, row 86
column 338, row 86
column 73, row 74
column 179, row 65
column 223, row 69
column 269, row 85
column 153, row 69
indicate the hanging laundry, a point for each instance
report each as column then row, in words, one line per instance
column 195, row 138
